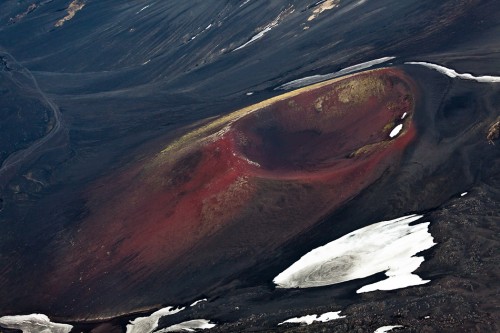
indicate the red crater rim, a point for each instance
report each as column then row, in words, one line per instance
column 321, row 128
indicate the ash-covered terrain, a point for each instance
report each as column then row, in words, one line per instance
column 249, row 166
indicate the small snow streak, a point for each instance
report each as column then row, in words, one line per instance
column 385, row 329
column 454, row 74
column 364, row 65
column 244, row 3
column 257, row 36
column 318, row 78
column 149, row 324
column 199, row 301
column 267, row 28
column 309, row 319
column 396, row 130
column 143, row 8
column 189, row 326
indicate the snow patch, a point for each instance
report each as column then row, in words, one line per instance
column 318, row 78
column 387, row 246
column 454, row 74
column 149, row 324
column 309, row 319
column 395, row 131
column 385, row 329
column 189, row 326
column 34, row 323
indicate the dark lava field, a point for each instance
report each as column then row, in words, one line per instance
column 249, row 166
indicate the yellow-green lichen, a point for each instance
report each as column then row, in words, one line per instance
column 358, row 90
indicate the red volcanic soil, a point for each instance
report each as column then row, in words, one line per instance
column 238, row 187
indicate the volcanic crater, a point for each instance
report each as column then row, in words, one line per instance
column 238, row 187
